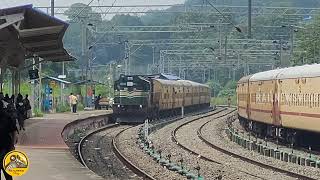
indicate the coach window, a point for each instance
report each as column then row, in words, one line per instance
column 294, row 100
column 314, row 100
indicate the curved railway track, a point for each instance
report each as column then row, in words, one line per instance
column 226, row 151
column 232, row 154
column 112, row 131
column 127, row 162
column 201, row 156
column 83, row 140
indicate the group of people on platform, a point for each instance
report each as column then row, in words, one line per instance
column 96, row 102
column 12, row 110
column 73, row 102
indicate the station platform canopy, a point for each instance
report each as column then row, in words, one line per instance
column 164, row 76
column 26, row 32
column 90, row 82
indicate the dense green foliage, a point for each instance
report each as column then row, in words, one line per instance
column 113, row 49
column 110, row 46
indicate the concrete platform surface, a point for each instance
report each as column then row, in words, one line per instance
column 45, row 132
column 49, row 156
column 46, row 164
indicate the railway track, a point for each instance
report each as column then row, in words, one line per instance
column 198, row 147
column 99, row 152
column 225, row 112
column 126, row 161
column 235, row 155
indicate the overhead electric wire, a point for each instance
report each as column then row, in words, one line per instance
column 237, row 28
column 105, row 29
column 77, row 15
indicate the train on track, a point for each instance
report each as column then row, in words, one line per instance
column 140, row 97
column 283, row 104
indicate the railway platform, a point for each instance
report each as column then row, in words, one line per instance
column 49, row 156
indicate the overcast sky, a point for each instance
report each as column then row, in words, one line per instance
column 10, row 3
column 37, row 3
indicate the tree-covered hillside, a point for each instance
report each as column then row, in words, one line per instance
column 111, row 46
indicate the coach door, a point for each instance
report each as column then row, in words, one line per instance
column 247, row 96
column 174, row 93
column 275, row 103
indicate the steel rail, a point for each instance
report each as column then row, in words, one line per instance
column 175, row 139
column 232, row 154
column 116, row 150
column 87, row 136
column 126, row 161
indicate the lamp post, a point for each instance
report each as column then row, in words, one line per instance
column 292, row 29
column 85, row 51
column 109, row 86
column 280, row 43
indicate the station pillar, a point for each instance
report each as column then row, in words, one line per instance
column 15, row 81
column 2, row 72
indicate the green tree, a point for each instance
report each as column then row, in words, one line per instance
column 215, row 87
column 80, row 12
column 308, row 39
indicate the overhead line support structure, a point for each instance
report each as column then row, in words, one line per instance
column 182, row 8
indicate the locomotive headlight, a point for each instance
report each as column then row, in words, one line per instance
column 118, row 105
column 140, row 106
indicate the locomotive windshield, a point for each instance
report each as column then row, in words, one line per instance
column 131, row 83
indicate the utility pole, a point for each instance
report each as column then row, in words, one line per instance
column 161, row 61
column 234, row 74
column 153, row 55
column 220, row 38
column 61, row 84
column 225, row 49
column 127, row 57
column 85, row 58
column 204, row 75
column 1, row 78
column 292, row 36
column 249, row 18
column 52, row 7
column 110, row 79
column 36, row 93
column 280, row 63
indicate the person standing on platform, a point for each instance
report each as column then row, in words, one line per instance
column 27, row 107
column 99, row 98
column 96, row 103
column 20, row 111
column 6, row 98
column 69, row 98
column 229, row 101
column 8, row 136
column 73, row 102
column 10, row 108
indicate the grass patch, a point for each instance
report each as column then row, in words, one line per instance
column 38, row 113
column 223, row 100
column 63, row 108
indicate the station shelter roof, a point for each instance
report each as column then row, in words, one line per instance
column 84, row 82
column 26, row 32
column 56, row 79
column 164, row 76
